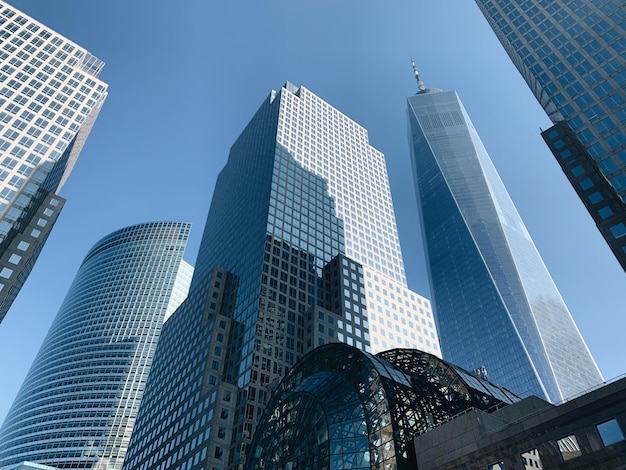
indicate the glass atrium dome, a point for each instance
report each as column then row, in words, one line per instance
column 340, row 407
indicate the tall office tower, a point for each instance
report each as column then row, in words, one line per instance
column 300, row 249
column 572, row 54
column 496, row 305
column 78, row 404
column 50, row 96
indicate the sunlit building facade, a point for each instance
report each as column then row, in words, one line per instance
column 497, row 307
column 78, row 404
column 50, row 96
column 572, row 54
column 300, row 249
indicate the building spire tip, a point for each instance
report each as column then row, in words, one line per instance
column 420, row 84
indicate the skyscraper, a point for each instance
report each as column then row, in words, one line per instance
column 572, row 54
column 78, row 404
column 496, row 305
column 50, row 96
column 300, row 248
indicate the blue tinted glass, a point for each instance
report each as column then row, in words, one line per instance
column 586, row 183
column 618, row 230
column 610, row 432
column 483, row 263
column 578, row 170
column 595, row 197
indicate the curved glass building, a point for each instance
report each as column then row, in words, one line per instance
column 340, row 407
column 78, row 403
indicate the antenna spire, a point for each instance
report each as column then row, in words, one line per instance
column 420, row 83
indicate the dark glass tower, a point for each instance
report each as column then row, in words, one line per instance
column 300, row 249
column 572, row 54
column 497, row 307
column 78, row 404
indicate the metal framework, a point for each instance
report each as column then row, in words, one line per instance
column 340, row 407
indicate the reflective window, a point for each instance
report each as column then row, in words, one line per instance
column 568, row 447
column 531, row 459
column 595, row 197
column 618, row 230
column 610, row 432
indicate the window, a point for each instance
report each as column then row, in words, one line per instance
column 605, row 212
column 569, row 448
column 531, row 459
column 610, row 432
column 6, row 273
column 496, row 466
column 618, row 230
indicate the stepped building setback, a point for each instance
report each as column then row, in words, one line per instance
column 300, row 249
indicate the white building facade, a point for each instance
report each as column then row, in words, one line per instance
column 50, row 97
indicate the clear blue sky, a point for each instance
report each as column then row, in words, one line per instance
column 185, row 77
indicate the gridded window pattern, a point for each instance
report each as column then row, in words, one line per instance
column 189, row 407
column 331, row 145
column 341, row 316
column 572, row 54
column 302, row 189
column 398, row 317
column 586, row 176
column 78, row 404
column 50, row 96
column 23, row 244
column 47, row 94
column 497, row 306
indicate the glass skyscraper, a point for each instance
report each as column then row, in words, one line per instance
column 300, row 249
column 78, row 404
column 572, row 54
column 497, row 308
column 50, row 96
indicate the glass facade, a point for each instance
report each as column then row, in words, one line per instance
column 50, row 96
column 572, row 54
column 300, row 249
column 497, row 307
column 343, row 408
column 78, row 404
